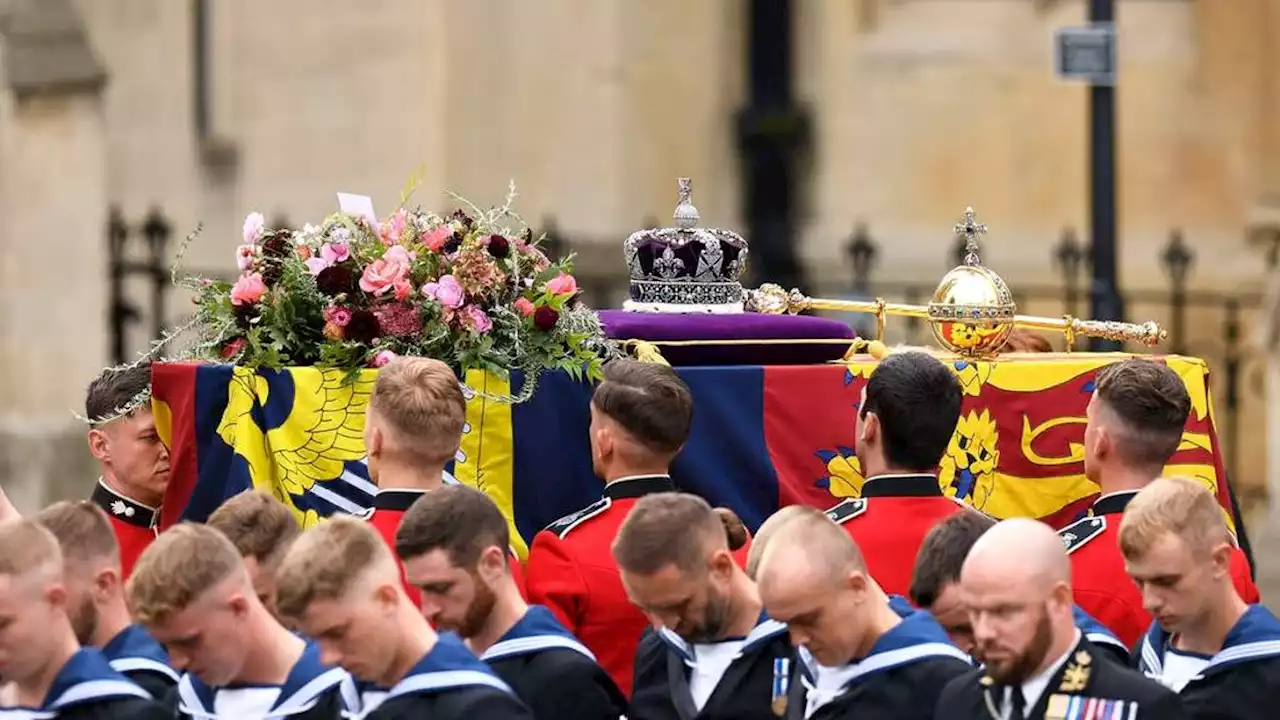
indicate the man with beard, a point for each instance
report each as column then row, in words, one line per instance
column 935, row 584
column 452, row 544
column 640, row 418
column 51, row 675
column 95, row 596
column 863, row 657
column 909, row 410
column 191, row 591
column 1016, row 584
column 412, row 430
column 1135, row 422
column 132, row 459
column 262, row 528
column 712, row 652
column 342, row 586
column 1221, row 655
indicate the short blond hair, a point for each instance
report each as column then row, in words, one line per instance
column 768, row 529
column 422, row 402
column 184, row 563
column 325, row 562
column 27, row 547
column 260, row 526
column 83, row 531
column 1182, row 507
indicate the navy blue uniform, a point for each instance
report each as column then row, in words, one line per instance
column 311, row 692
column 136, row 655
column 86, row 688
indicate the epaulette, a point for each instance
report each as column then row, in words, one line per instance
column 562, row 526
column 1075, row 535
column 847, row 510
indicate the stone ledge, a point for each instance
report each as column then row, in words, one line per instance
column 47, row 51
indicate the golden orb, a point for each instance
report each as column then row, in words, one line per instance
column 972, row 310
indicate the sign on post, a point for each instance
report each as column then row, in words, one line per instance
column 1086, row 54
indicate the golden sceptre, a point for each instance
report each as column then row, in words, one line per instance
column 972, row 312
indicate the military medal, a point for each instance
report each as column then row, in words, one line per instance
column 781, row 685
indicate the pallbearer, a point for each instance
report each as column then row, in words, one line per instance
column 342, row 586
column 909, row 410
column 862, row 658
column 452, row 544
column 1016, row 583
column 51, row 675
column 1219, row 653
column 95, row 596
column 190, row 589
column 712, row 651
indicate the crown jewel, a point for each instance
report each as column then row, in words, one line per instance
column 685, row 269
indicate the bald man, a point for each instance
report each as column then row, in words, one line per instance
column 1016, row 583
column 864, row 659
column 767, row 530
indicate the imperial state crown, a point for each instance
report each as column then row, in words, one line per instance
column 685, row 269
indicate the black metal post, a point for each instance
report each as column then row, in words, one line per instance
column 157, row 230
column 862, row 253
column 1107, row 304
column 120, row 312
column 200, row 86
column 1177, row 259
column 1231, row 373
column 1070, row 256
column 773, row 135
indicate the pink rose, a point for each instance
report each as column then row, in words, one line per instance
column 383, row 357
column 382, row 274
column 436, row 239
column 562, row 284
column 315, row 265
column 336, row 252
column 337, row 316
column 254, row 224
column 245, row 255
column 248, row 290
column 397, row 254
column 445, row 291
column 524, row 307
column 477, row 319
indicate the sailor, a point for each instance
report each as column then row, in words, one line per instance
column 935, row 584
column 640, row 418
column 711, row 652
column 95, row 596
column 262, row 528
column 51, row 676
column 341, row 585
column 860, row 656
column 1219, row 653
column 190, row 589
column 1135, row 425
column 908, row 413
column 1016, row 583
column 133, row 461
column 413, row 429
column 452, row 545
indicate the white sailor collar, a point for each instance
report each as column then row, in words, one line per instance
column 133, row 649
column 536, row 631
column 301, row 690
column 765, row 630
column 86, row 677
column 1255, row 636
column 1094, row 631
column 447, row 666
column 918, row 637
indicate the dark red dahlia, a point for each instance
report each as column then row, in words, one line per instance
column 277, row 244
column 245, row 313
column 336, row 280
column 465, row 219
column 452, row 244
column 362, row 327
column 499, row 247
column 545, row 318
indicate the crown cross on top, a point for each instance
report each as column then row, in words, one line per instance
column 970, row 229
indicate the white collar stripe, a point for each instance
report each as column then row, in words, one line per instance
column 1150, row 657
column 764, row 631
column 444, row 680
column 188, row 700
column 518, row 646
column 1247, row 651
column 305, row 697
column 132, row 664
column 906, row 656
column 95, row 689
column 26, row 714
column 1105, row 639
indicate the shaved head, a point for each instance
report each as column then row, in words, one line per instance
column 1021, row 550
column 768, row 528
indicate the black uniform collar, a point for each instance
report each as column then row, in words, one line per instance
column 1112, row 503
column 905, row 485
column 396, row 499
column 124, row 509
column 638, row 486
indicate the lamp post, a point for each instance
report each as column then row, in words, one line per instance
column 862, row 253
column 1177, row 259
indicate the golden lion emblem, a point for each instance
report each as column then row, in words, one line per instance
column 967, row 471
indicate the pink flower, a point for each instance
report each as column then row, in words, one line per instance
column 524, row 307
column 315, row 265
column 382, row 274
column 254, row 224
column 334, row 253
column 383, row 357
column 436, row 239
column 562, row 284
column 336, row 316
column 446, row 291
column 397, row 254
column 248, row 290
column 304, row 252
column 245, row 255
column 477, row 319
column 402, row 289
column 395, row 228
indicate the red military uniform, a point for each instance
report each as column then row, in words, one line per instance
column 572, row 571
column 389, row 507
column 1101, row 586
column 133, row 523
column 889, row 523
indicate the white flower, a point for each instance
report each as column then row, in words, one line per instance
column 253, row 227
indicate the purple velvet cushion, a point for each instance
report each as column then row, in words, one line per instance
column 657, row 327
